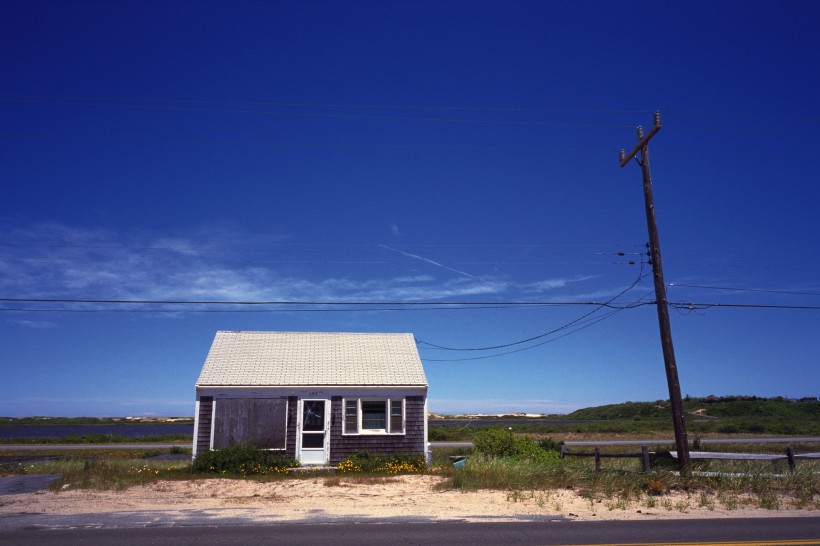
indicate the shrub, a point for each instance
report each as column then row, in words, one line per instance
column 504, row 444
column 242, row 459
column 548, row 444
column 364, row 461
column 483, row 472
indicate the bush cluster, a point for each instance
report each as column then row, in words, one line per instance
column 500, row 443
column 364, row 461
column 243, row 460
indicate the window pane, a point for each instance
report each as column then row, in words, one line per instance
column 313, row 417
column 313, row 440
column 374, row 415
column 351, row 416
column 396, row 416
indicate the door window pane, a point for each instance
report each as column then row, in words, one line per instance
column 313, row 440
column 374, row 415
column 313, row 417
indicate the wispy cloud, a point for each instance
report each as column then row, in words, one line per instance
column 38, row 324
column 546, row 285
column 54, row 261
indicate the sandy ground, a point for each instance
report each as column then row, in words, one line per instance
column 329, row 498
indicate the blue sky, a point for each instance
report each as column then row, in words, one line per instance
column 408, row 152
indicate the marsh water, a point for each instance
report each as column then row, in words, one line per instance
column 61, row 431
column 134, row 431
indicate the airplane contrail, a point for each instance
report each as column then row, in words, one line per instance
column 429, row 261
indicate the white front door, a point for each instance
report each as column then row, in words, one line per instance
column 314, row 431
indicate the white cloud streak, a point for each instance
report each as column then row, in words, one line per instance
column 53, row 261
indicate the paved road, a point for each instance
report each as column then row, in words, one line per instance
column 770, row 531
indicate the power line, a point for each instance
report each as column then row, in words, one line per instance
column 692, row 306
column 293, row 144
column 103, row 100
column 789, row 292
column 316, row 114
column 378, row 306
column 591, row 322
column 374, row 248
column 286, row 310
column 641, row 276
column 304, row 302
column 27, row 98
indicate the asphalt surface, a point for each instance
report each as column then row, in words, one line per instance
column 782, row 531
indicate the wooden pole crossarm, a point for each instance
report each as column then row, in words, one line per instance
column 642, row 141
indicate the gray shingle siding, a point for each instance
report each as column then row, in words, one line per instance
column 412, row 441
column 290, row 446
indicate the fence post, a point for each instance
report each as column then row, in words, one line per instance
column 597, row 459
column 562, row 450
column 645, row 457
column 790, row 457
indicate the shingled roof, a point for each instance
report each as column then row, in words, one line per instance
column 311, row 358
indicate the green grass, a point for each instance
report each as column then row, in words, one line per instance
column 764, row 484
column 106, row 473
column 622, row 482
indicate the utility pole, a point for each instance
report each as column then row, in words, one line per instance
column 641, row 155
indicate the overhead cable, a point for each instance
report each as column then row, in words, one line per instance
column 640, row 277
column 789, row 292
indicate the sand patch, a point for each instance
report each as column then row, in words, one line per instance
column 325, row 498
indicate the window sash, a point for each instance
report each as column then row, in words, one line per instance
column 396, row 416
column 373, row 416
column 351, row 416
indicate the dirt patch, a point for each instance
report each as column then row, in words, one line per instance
column 415, row 496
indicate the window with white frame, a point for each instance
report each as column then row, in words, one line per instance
column 373, row 416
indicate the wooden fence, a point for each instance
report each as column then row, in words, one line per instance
column 646, row 456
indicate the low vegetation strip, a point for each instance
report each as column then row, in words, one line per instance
column 97, row 439
column 525, row 468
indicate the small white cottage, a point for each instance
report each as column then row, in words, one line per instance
column 316, row 397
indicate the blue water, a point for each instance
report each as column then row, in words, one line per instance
column 497, row 422
column 60, row 431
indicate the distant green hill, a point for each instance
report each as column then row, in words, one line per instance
column 626, row 410
column 714, row 407
column 727, row 414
